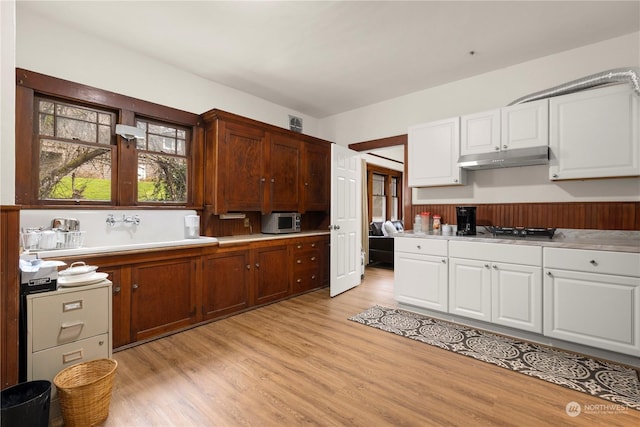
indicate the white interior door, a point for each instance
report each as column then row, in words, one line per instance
column 346, row 213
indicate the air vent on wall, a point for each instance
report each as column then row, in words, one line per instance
column 295, row 124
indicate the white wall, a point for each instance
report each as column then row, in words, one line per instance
column 7, row 102
column 484, row 92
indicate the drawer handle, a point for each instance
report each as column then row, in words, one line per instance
column 72, row 356
column 593, row 262
column 73, row 305
column 72, row 325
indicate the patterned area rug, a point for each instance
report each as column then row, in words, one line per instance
column 607, row 380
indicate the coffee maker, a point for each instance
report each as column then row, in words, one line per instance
column 466, row 220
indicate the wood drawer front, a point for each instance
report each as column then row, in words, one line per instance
column 63, row 318
column 416, row 245
column 47, row 363
column 306, row 245
column 307, row 279
column 604, row 262
column 306, row 259
column 497, row 252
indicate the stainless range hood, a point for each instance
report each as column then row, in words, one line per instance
column 506, row 159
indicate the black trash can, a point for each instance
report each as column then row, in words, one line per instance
column 26, row 404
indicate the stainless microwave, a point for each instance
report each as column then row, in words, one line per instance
column 281, row 222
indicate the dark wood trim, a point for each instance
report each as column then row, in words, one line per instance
column 54, row 86
column 9, row 294
column 387, row 173
column 390, row 141
column 578, row 215
column 385, row 158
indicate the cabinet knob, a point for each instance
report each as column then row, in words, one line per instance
column 487, row 266
column 593, row 262
column 306, row 184
column 495, row 266
column 299, row 261
column 248, row 266
column 135, row 286
column 555, row 175
column 313, row 277
column 116, row 290
column 418, row 246
column 299, row 246
column 455, row 180
column 548, row 273
column 497, row 147
column 505, row 146
column 100, row 342
column 313, row 245
column 257, row 265
column 444, row 261
column 273, row 180
column 299, row 281
column 313, row 258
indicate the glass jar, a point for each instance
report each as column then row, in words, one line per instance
column 425, row 219
column 436, row 222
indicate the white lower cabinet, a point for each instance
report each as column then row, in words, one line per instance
column 497, row 283
column 420, row 272
column 593, row 298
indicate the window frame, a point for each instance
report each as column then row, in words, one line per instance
column 387, row 174
column 30, row 85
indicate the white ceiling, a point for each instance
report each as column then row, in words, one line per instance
column 326, row 57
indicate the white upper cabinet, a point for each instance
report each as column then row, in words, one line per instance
column 595, row 134
column 525, row 125
column 480, row 132
column 518, row 126
column 433, row 151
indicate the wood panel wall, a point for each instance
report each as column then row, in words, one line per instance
column 9, row 294
column 580, row 215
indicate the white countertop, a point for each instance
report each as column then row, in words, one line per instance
column 603, row 240
column 248, row 238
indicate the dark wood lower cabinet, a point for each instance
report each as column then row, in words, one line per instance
column 162, row 297
column 225, row 283
column 271, row 275
column 162, row 291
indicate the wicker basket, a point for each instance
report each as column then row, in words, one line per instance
column 84, row 390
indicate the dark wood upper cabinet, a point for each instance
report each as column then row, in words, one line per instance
column 255, row 167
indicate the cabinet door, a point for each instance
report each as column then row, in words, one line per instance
column 525, row 125
column 271, row 276
column 317, row 175
column 599, row 310
column 480, row 132
column 470, row 288
column 516, row 294
column 121, row 303
column 433, row 150
column 225, row 284
column 595, row 134
column 242, row 177
column 163, row 297
column 285, row 171
column 421, row 280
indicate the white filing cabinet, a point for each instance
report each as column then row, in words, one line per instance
column 65, row 327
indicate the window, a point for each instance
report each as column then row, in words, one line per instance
column 162, row 163
column 66, row 131
column 75, row 151
column 385, row 193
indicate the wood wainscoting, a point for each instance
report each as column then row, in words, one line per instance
column 581, row 215
column 9, row 294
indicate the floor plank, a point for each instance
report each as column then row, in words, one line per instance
column 301, row 362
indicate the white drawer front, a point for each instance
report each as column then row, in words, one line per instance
column 62, row 318
column 497, row 252
column 45, row 364
column 604, row 262
column 416, row 245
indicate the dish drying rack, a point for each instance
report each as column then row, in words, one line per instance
column 32, row 240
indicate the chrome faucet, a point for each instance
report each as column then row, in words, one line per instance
column 135, row 219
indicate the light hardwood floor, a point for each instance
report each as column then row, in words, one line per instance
column 301, row 362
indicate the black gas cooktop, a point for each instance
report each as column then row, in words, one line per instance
column 523, row 232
